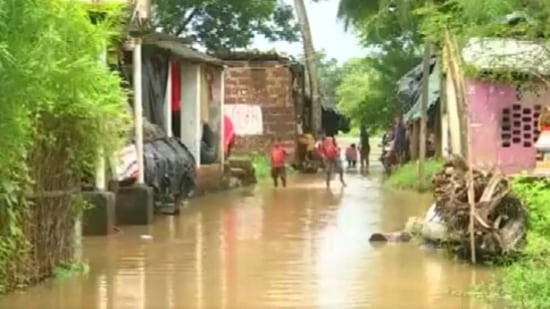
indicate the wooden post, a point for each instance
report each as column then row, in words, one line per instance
column 168, row 102
column 454, row 58
column 423, row 113
column 414, row 140
column 222, row 115
column 138, row 109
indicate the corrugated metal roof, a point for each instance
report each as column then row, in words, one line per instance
column 180, row 48
column 507, row 54
column 433, row 96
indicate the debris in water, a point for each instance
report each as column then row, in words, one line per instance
column 500, row 218
column 390, row 237
column 146, row 237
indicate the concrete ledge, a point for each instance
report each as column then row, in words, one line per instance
column 134, row 205
column 100, row 219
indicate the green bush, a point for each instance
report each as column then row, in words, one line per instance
column 58, row 106
column 406, row 176
column 262, row 167
column 526, row 283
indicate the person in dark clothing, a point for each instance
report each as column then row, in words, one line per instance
column 399, row 140
column 364, row 145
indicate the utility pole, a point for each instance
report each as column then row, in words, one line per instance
column 311, row 68
column 424, row 110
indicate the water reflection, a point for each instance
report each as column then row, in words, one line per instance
column 301, row 247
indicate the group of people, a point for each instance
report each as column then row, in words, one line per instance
column 329, row 152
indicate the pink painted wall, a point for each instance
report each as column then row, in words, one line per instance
column 503, row 125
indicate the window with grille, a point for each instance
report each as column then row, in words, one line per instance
column 519, row 125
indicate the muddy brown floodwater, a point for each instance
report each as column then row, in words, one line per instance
column 299, row 247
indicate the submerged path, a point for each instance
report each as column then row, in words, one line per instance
column 299, row 247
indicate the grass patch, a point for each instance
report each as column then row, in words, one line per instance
column 69, row 270
column 526, row 283
column 406, row 177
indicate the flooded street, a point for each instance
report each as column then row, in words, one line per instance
column 299, row 247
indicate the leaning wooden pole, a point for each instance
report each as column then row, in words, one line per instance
column 423, row 113
column 454, row 59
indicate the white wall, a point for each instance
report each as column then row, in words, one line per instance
column 190, row 108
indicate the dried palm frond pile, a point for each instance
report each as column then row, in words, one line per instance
column 499, row 217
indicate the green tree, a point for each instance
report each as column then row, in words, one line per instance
column 367, row 91
column 222, row 24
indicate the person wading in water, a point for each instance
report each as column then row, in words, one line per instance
column 278, row 169
column 331, row 157
column 364, row 145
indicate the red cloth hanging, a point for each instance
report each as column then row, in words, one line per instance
column 228, row 133
column 176, row 86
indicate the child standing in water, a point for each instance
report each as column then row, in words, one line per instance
column 331, row 157
column 278, row 157
column 351, row 156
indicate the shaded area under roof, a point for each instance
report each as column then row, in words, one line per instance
column 180, row 48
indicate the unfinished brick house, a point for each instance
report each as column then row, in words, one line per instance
column 263, row 98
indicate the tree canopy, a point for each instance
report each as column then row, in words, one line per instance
column 223, row 25
column 367, row 91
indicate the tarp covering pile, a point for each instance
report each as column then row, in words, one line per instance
column 169, row 166
column 499, row 220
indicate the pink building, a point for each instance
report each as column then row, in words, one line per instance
column 502, row 128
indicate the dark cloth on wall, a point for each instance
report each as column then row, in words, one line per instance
column 154, row 79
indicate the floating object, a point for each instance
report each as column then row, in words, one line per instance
column 146, row 237
column 390, row 237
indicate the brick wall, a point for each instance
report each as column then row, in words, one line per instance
column 269, row 84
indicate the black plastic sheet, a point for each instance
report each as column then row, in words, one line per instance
column 169, row 159
column 334, row 121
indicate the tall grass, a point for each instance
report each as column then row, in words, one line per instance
column 406, row 176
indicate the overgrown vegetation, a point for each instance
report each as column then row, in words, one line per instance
column 406, row 176
column 59, row 105
column 524, row 283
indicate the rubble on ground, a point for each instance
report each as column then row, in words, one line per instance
column 500, row 218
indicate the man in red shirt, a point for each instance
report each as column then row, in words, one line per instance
column 278, row 157
column 331, row 156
